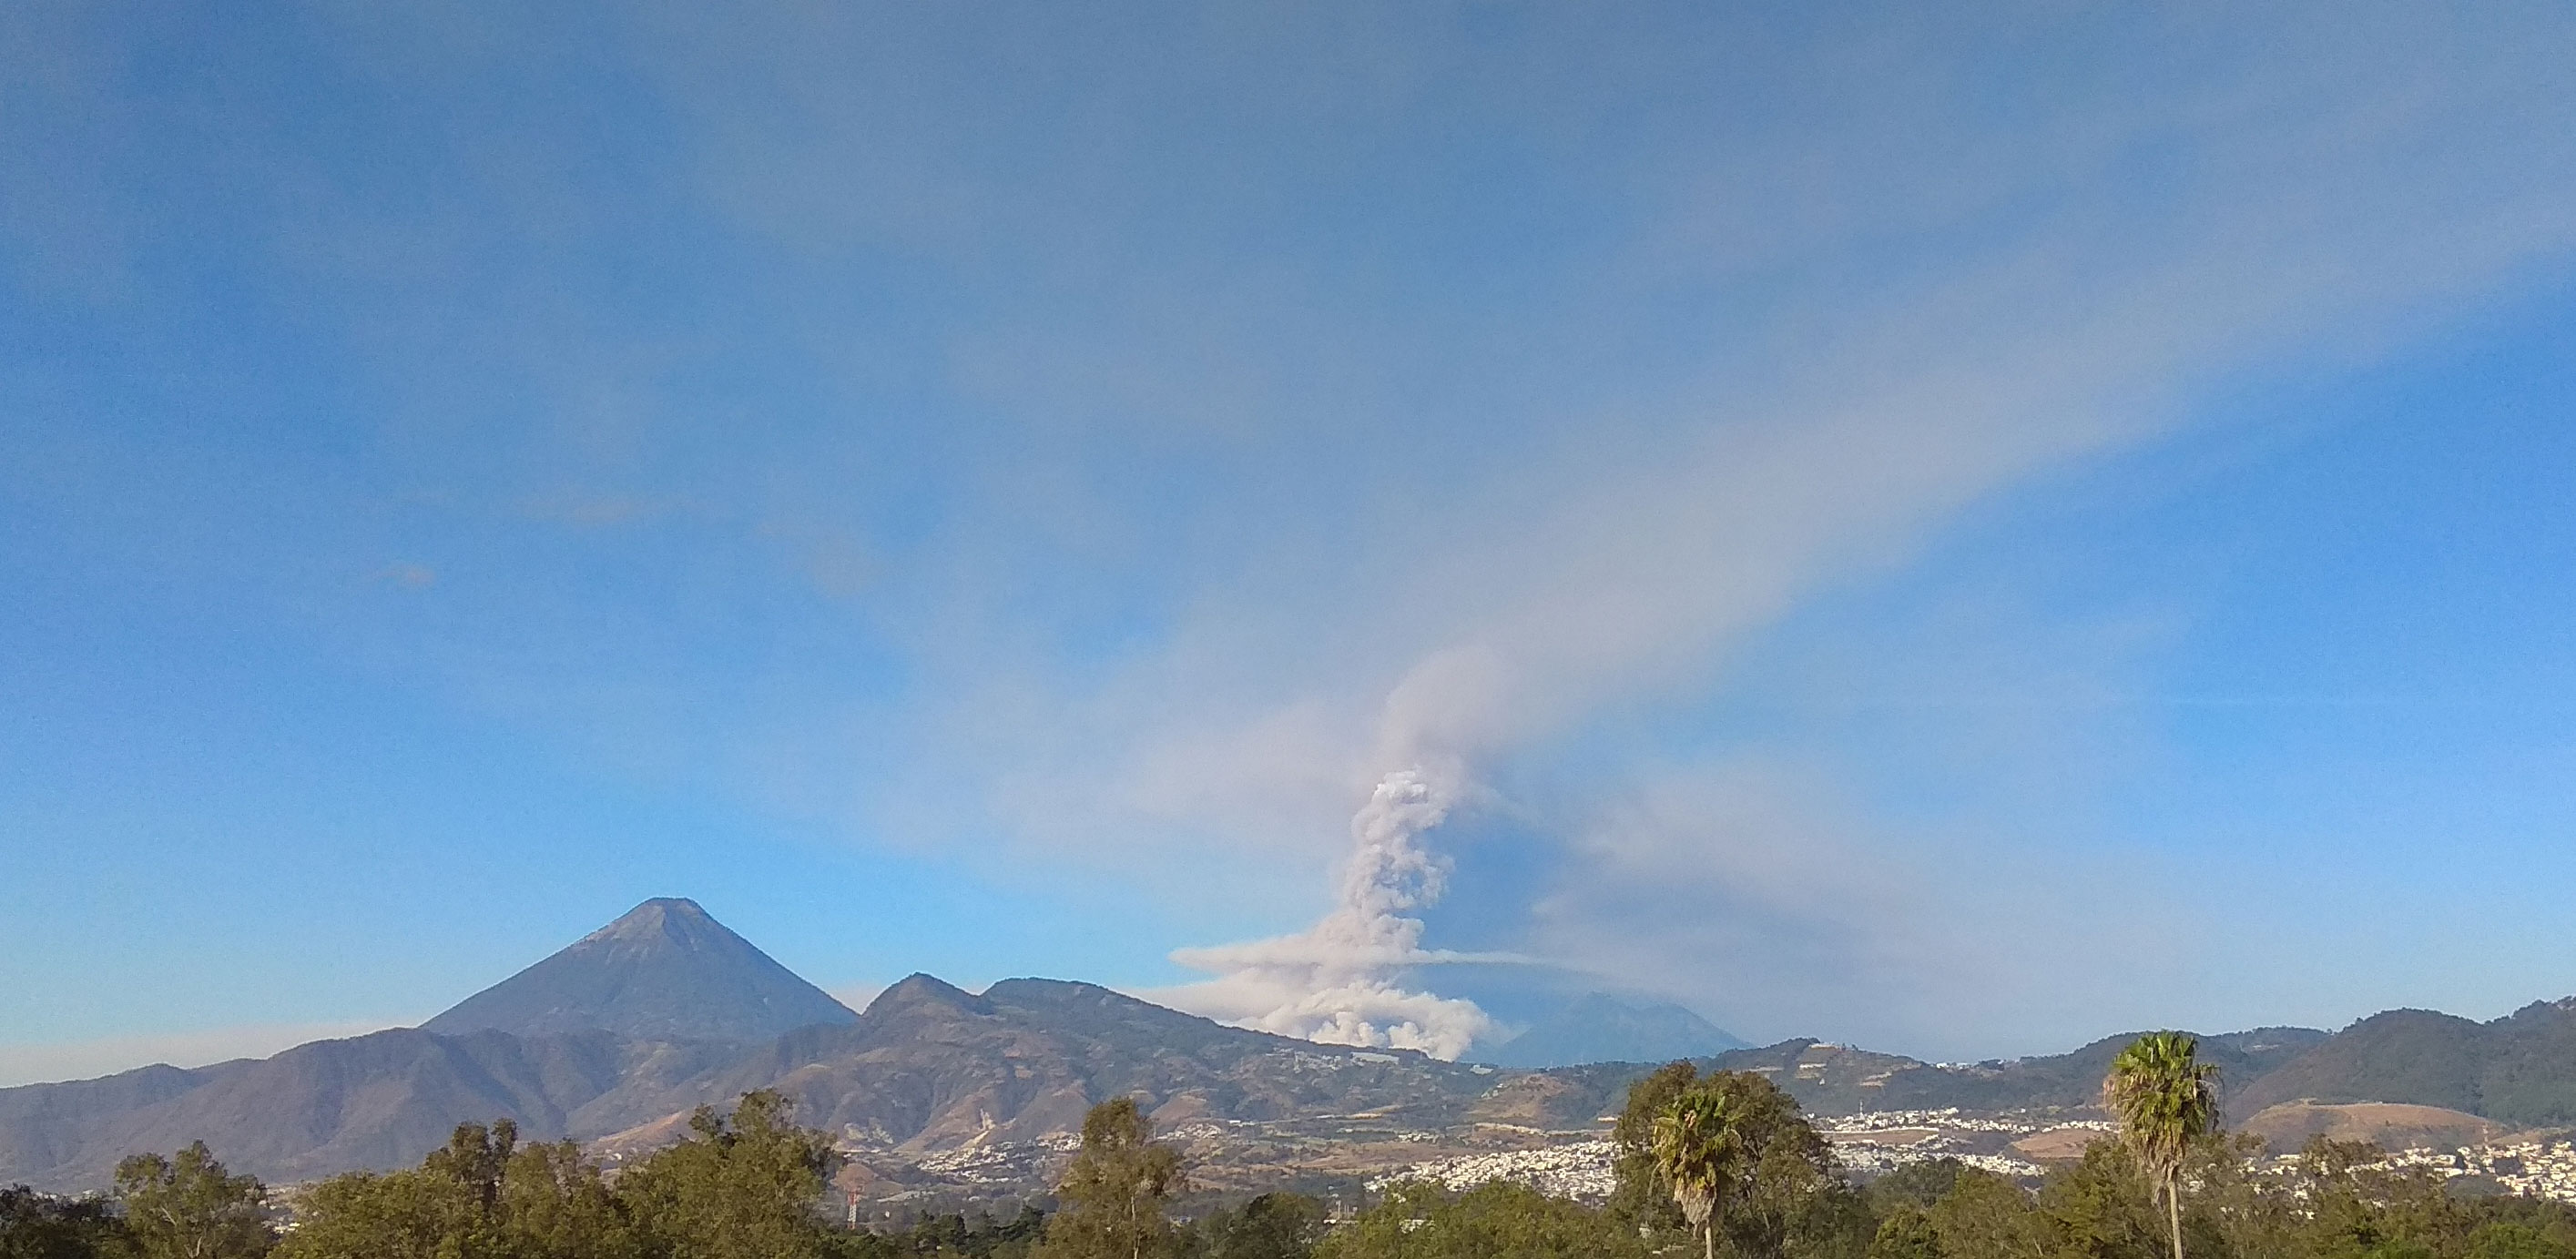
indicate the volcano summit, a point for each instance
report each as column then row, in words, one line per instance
column 665, row 971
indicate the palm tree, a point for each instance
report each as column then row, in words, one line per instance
column 1697, row 1147
column 2165, row 1099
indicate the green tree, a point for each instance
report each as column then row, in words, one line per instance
column 2351, row 1203
column 1906, row 1233
column 1916, row 1184
column 481, row 1196
column 476, row 1158
column 40, row 1226
column 745, row 1189
column 2165, row 1100
column 555, row 1204
column 1985, row 1216
column 391, row 1215
column 1497, row 1220
column 2238, row 1206
column 1640, row 1196
column 1114, row 1193
column 2100, row 1206
column 189, row 1208
column 1770, row 1183
column 2507, row 1240
column 1698, row 1151
column 949, row 1236
column 1831, row 1220
column 1272, row 1226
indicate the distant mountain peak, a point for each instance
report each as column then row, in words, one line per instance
column 663, row 920
column 1054, row 992
column 922, row 987
column 664, row 970
column 674, row 917
column 1613, row 1027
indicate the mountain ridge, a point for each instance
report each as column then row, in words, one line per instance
column 929, row 1066
column 2519, row 1069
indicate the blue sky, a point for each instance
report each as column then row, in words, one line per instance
column 1959, row 532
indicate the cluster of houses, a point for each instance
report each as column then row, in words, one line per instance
column 1580, row 1170
column 2540, row 1169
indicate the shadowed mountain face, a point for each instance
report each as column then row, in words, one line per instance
column 375, row 1101
column 1603, row 1027
column 927, row 1067
column 2062, row 1080
column 666, row 971
column 2519, row 1069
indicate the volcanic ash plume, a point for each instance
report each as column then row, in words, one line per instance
column 1335, row 982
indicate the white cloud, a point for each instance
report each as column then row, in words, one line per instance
column 1296, row 449
column 1613, row 559
column 2320, row 213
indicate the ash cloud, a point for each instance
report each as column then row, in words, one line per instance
column 1338, row 982
column 1818, row 332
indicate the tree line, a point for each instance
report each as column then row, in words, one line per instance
column 1708, row 1164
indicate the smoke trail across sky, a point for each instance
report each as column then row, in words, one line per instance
column 1338, row 981
column 1077, row 460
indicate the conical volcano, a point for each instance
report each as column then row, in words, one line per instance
column 665, row 971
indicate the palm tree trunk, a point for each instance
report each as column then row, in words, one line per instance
column 2173, row 1209
column 1708, row 1234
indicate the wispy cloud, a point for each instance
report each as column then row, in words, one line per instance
column 1113, row 442
column 2047, row 311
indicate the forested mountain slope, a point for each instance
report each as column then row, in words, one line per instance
column 2518, row 1070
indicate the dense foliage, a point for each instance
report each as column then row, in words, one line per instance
column 1643, row 1198
column 748, row 1187
column 1496, row 1221
column 1731, row 1147
column 186, row 1207
column 37, row 1226
column 483, row 1195
column 2334, row 1202
column 748, row 1190
column 951, row 1236
column 1272, row 1226
column 189, row 1207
